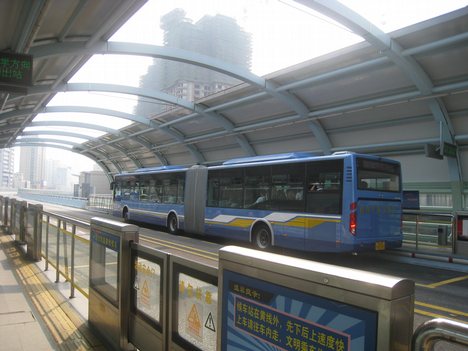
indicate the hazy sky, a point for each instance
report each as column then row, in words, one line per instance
column 283, row 33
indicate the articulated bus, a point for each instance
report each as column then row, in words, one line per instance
column 344, row 202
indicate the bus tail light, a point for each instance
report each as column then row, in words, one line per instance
column 459, row 227
column 352, row 218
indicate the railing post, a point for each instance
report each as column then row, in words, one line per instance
column 65, row 251
column 22, row 216
column 6, row 203
column 72, row 274
column 47, row 244
column 33, row 232
column 453, row 223
column 57, row 273
column 417, row 232
column 12, row 219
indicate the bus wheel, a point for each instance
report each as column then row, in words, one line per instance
column 262, row 237
column 125, row 216
column 172, row 224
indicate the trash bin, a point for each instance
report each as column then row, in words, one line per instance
column 442, row 235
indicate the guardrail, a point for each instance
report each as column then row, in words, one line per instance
column 59, row 199
column 429, row 333
column 64, row 244
column 101, row 203
column 428, row 230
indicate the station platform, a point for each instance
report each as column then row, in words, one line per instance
column 34, row 315
column 37, row 314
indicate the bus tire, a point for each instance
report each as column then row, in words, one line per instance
column 262, row 237
column 172, row 225
column 125, row 215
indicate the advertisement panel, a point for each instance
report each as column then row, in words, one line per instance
column 260, row 315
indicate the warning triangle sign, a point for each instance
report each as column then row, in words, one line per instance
column 210, row 324
column 194, row 322
column 146, row 290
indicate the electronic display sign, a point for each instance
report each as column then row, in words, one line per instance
column 257, row 312
column 411, row 200
column 15, row 71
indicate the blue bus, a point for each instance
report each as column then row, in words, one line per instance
column 344, row 202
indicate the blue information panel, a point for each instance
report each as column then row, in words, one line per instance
column 258, row 315
column 105, row 239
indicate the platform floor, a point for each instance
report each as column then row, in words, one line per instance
column 34, row 317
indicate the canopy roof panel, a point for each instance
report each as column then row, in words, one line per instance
column 388, row 93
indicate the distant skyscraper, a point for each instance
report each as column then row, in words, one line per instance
column 32, row 165
column 7, row 167
column 215, row 36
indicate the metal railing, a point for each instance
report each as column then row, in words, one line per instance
column 429, row 333
column 429, row 230
column 65, row 246
column 100, row 203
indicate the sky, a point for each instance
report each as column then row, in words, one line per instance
column 283, row 32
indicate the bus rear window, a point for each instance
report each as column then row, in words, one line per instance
column 378, row 175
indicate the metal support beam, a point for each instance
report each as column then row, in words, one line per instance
column 391, row 49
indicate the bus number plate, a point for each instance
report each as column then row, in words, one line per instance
column 380, row 245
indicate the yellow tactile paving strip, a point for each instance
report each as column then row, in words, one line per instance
column 66, row 326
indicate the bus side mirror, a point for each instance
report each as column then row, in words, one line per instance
column 112, row 184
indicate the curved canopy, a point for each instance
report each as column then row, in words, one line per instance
column 391, row 94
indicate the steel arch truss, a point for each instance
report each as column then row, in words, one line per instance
column 200, row 60
column 391, row 49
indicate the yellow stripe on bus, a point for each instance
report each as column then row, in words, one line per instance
column 300, row 222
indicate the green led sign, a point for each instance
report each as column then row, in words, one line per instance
column 15, row 71
column 450, row 150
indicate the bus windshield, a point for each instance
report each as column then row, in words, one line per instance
column 378, row 175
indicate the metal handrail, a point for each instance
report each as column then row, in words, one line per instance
column 448, row 218
column 61, row 229
column 439, row 329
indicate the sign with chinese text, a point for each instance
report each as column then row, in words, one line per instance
column 105, row 239
column 259, row 312
column 197, row 312
column 147, row 287
column 15, row 70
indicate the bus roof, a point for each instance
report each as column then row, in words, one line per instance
column 291, row 157
column 141, row 171
column 267, row 158
column 159, row 168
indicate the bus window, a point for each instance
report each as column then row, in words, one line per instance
column 117, row 190
column 180, row 189
column 378, row 175
column 144, row 188
column 257, row 187
column 172, row 188
column 157, row 193
column 287, row 192
column 130, row 188
column 225, row 188
column 153, row 194
column 213, row 190
column 324, row 187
